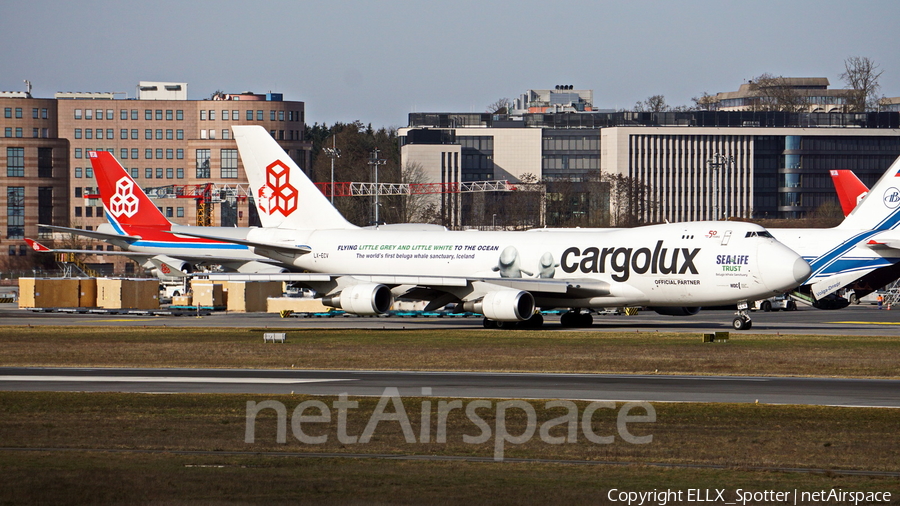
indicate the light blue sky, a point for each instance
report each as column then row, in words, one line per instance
column 377, row 61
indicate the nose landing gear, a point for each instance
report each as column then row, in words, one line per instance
column 742, row 317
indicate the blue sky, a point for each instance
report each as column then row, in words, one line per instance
column 377, row 61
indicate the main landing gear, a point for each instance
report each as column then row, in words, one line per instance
column 576, row 319
column 742, row 318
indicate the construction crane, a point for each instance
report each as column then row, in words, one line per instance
column 369, row 189
column 206, row 194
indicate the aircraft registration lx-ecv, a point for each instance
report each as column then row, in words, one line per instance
column 672, row 268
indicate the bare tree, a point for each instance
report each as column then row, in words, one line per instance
column 500, row 106
column 418, row 207
column 704, row 102
column 775, row 93
column 861, row 75
column 655, row 103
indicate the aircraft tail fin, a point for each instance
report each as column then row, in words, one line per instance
column 880, row 208
column 125, row 202
column 849, row 188
column 283, row 194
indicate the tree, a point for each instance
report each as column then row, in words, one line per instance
column 500, row 106
column 861, row 75
column 775, row 93
column 656, row 103
column 704, row 102
column 418, row 207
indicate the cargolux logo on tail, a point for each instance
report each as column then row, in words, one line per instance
column 124, row 202
column 277, row 195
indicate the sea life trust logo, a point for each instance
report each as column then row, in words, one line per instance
column 124, row 202
column 278, row 195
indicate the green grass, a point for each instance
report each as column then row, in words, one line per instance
column 144, row 434
column 541, row 351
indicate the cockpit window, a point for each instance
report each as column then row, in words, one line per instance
column 764, row 233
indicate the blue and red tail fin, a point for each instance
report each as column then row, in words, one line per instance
column 125, row 203
column 849, row 188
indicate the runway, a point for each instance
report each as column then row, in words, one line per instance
column 766, row 390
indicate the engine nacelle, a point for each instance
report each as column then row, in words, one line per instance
column 166, row 267
column 677, row 311
column 504, row 305
column 363, row 299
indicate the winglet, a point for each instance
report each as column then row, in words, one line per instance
column 37, row 246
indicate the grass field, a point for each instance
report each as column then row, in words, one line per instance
column 446, row 350
column 107, row 448
column 738, row 437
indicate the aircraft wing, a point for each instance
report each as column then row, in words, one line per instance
column 91, row 233
column 278, row 248
column 36, row 246
column 572, row 287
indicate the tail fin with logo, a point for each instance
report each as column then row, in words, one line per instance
column 126, row 204
column 284, row 196
column 880, row 208
column 850, row 190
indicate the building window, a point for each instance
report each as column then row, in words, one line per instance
column 148, row 173
column 202, row 164
column 77, row 113
column 234, row 115
column 179, row 134
column 15, row 162
column 123, row 114
column 259, row 115
column 88, row 114
column 148, row 134
column 169, row 153
column 18, row 113
column 7, row 113
column 159, row 114
column 19, row 132
column 225, row 115
column 159, row 134
column 88, row 212
column 99, row 114
column 203, row 115
column 179, row 173
column 109, row 113
column 134, row 133
column 15, row 212
column 109, row 133
column 45, row 204
column 8, row 131
column 88, row 172
column 148, row 114
column 123, row 133
column 45, row 163
column 169, row 212
column 179, row 212
column 88, row 133
column 168, row 134
column 134, row 172
column 271, row 115
column 249, row 115
column 229, row 164
column 134, row 153
column 148, row 154
column 77, row 133
column 212, row 115
column 159, row 153
column 179, row 154
column 159, row 173
column 212, row 134
column 203, row 133
column 225, row 134
column 34, row 113
column 99, row 133
column 78, row 212
column 168, row 114
column 78, row 172
column 134, row 114
column 179, row 114
column 35, row 132
column 77, row 152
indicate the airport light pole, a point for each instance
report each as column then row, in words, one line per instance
column 374, row 161
column 717, row 162
column 332, row 153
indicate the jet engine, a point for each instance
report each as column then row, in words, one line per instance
column 676, row 311
column 165, row 267
column 504, row 305
column 363, row 299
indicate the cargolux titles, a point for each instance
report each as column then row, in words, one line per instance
column 624, row 261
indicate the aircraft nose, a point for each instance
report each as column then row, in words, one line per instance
column 780, row 267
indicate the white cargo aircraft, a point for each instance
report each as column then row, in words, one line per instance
column 673, row 268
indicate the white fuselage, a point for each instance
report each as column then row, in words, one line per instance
column 689, row 264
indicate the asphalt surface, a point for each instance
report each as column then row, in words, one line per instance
column 859, row 320
column 767, row 390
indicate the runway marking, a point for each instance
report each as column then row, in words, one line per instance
column 871, row 323
column 165, row 379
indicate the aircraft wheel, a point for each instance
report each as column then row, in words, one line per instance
column 854, row 299
column 740, row 323
column 792, row 306
column 489, row 324
column 585, row 320
column 568, row 319
column 535, row 322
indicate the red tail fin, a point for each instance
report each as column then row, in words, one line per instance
column 849, row 188
column 36, row 245
column 126, row 204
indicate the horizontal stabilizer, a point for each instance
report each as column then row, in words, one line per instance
column 91, row 233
